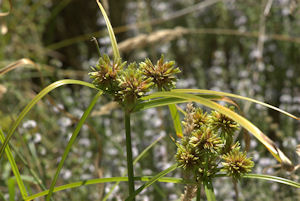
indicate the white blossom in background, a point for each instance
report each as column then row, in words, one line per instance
column 29, row 124
column 37, row 138
column 64, row 122
column 58, row 108
column 66, row 174
column 86, row 142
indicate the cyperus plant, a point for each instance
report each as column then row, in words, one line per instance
column 206, row 148
column 127, row 85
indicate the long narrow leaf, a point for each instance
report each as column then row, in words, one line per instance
column 17, row 64
column 11, row 189
column 147, row 104
column 152, row 181
column 113, row 40
column 273, row 179
column 71, row 142
column 39, row 96
column 105, row 180
column 14, row 167
column 176, row 120
column 209, row 191
column 147, row 178
column 204, row 91
column 267, row 142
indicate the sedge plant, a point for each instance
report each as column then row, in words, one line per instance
column 206, row 149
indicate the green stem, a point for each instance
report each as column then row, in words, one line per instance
column 14, row 166
column 129, row 155
column 209, row 191
column 198, row 198
column 97, row 45
column 236, row 190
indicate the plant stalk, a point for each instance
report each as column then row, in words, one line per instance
column 198, row 198
column 97, row 45
column 209, row 191
column 129, row 155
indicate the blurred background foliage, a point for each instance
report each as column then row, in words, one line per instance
column 245, row 47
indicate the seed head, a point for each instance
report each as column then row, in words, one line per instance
column 236, row 163
column 105, row 74
column 186, row 157
column 133, row 85
column 163, row 74
column 200, row 118
column 206, row 139
column 221, row 122
column 188, row 122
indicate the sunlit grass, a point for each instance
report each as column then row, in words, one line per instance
column 152, row 100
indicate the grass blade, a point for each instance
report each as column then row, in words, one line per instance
column 209, row 191
column 176, row 120
column 147, row 104
column 16, row 64
column 273, row 179
column 11, row 189
column 105, row 180
column 152, row 180
column 14, row 167
column 148, row 178
column 39, row 96
column 113, row 40
column 37, row 180
column 204, row 91
column 71, row 142
column 267, row 142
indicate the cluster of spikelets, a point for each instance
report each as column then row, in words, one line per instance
column 207, row 147
column 127, row 83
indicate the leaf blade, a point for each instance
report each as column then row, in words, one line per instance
column 14, row 167
column 204, row 91
column 71, row 142
column 176, row 120
column 267, row 142
column 113, row 40
column 39, row 96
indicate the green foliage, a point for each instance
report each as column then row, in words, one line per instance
column 222, row 55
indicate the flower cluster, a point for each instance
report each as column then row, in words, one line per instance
column 236, row 163
column 163, row 74
column 105, row 74
column 207, row 146
column 127, row 85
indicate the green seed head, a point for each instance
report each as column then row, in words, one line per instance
column 236, row 163
column 105, row 74
column 221, row 122
column 206, row 139
column 186, row 157
column 132, row 85
column 200, row 118
column 163, row 74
